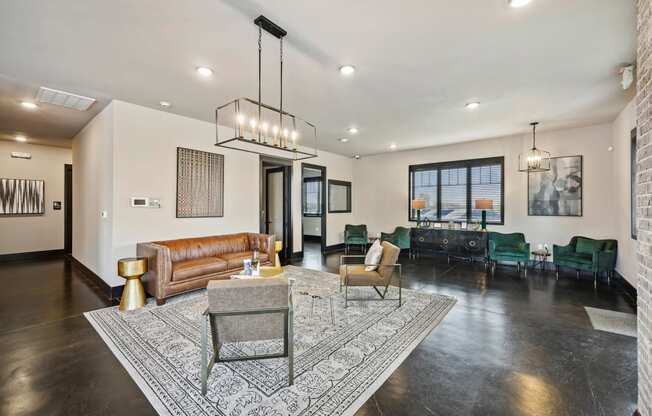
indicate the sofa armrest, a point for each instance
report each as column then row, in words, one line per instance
column 159, row 266
column 271, row 249
column 604, row 260
column 524, row 247
column 558, row 251
column 492, row 248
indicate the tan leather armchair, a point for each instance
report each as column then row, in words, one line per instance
column 352, row 273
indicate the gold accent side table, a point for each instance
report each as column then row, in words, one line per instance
column 133, row 294
column 269, row 271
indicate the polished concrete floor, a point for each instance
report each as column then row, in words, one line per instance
column 511, row 346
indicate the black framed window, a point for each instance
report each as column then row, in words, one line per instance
column 312, row 189
column 451, row 189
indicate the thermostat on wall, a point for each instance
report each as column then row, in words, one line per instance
column 145, row 202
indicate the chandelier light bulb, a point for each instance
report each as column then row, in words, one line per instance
column 240, row 118
column 28, row 105
column 347, row 70
column 518, row 3
column 21, row 138
column 204, row 71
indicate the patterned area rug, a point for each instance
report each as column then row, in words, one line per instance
column 341, row 359
column 612, row 321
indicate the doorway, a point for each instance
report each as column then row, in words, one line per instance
column 67, row 209
column 313, row 206
column 275, row 208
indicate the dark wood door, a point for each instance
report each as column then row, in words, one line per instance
column 67, row 209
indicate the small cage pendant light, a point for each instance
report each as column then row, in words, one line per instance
column 534, row 160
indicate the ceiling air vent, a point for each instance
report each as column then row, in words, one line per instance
column 64, row 99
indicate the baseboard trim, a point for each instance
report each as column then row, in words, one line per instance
column 31, row 255
column 312, row 238
column 297, row 256
column 629, row 290
column 112, row 292
column 334, row 248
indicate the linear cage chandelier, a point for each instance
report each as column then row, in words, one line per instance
column 534, row 160
column 255, row 127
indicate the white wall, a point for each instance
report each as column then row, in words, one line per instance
column 622, row 127
column 381, row 184
column 145, row 161
column 129, row 150
column 337, row 167
column 312, row 226
column 21, row 234
column 92, row 154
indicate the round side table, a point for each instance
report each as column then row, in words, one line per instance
column 540, row 258
column 133, row 294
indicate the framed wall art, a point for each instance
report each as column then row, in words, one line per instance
column 557, row 192
column 200, row 184
column 22, row 197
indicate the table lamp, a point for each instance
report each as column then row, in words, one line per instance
column 484, row 205
column 418, row 204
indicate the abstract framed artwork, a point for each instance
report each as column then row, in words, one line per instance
column 557, row 192
column 22, row 197
column 200, row 184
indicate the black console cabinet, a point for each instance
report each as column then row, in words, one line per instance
column 471, row 245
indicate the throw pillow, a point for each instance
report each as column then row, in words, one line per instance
column 586, row 246
column 373, row 256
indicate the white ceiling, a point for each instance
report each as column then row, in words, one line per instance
column 418, row 62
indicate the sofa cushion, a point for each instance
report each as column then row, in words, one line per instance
column 186, row 269
column 200, row 247
column 235, row 260
column 508, row 249
column 579, row 258
column 587, row 246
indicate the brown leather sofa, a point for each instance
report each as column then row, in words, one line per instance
column 178, row 266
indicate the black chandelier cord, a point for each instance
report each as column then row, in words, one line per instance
column 281, row 104
column 534, row 135
column 260, row 53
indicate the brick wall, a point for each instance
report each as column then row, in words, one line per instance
column 644, row 206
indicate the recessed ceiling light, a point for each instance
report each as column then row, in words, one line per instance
column 165, row 104
column 347, row 69
column 21, row 138
column 352, row 130
column 29, row 105
column 343, row 140
column 392, row 146
column 472, row 105
column 204, row 71
column 518, row 3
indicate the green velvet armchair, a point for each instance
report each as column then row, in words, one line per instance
column 587, row 254
column 508, row 247
column 355, row 235
column 400, row 237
